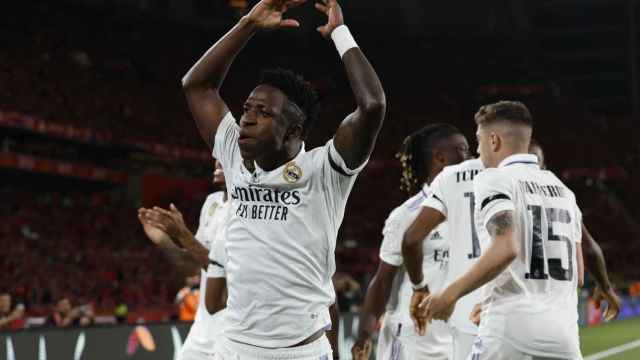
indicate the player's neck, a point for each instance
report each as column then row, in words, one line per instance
column 276, row 159
column 508, row 153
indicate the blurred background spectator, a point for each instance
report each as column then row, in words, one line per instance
column 10, row 317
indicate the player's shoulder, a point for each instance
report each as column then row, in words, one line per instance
column 212, row 201
column 407, row 208
column 493, row 178
column 215, row 197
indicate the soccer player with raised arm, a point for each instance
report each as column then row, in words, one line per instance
column 423, row 155
column 529, row 227
column 287, row 202
column 163, row 227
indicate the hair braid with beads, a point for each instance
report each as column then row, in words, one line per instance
column 416, row 151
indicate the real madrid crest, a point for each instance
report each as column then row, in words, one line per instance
column 212, row 208
column 292, row 173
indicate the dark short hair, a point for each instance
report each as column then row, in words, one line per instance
column 513, row 112
column 415, row 153
column 297, row 90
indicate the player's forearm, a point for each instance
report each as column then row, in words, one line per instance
column 413, row 256
column 334, row 332
column 374, row 305
column 213, row 66
column 595, row 262
column 198, row 252
column 493, row 262
column 180, row 258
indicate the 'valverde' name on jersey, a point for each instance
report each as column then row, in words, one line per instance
column 281, row 241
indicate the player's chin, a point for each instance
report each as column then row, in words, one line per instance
column 248, row 149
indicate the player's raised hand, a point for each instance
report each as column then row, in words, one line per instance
column 438, row 306
column 267, row 14
column 418, row 315
column 332, row 9
column 167, row 221
column 610, row 296
column 152, row 230
column 361, row 350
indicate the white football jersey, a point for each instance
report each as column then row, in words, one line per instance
column 435, row 250
column 533, row 303
column 281, row 241
column 213, row 214
column 452, row 195
column 434, row 267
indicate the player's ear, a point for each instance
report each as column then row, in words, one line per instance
column 439, row 157
column 495, row 141
column 294, row 131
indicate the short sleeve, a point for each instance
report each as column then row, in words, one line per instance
column 217, row 261
column 391, row 247
column 436, row 199
column 226, row 140
column 336, row 178
column 337, row 163
column 494, row 193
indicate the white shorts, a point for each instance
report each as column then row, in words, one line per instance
column 494, row 348
column 462, row 344
column 226, row 349
column 190, row 351
column 398, row 341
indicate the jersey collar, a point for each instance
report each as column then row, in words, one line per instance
column 259, row 172
column 527, row 159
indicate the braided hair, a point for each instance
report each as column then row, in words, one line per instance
column 416, row 152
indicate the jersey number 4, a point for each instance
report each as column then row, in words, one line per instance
column 539, row 245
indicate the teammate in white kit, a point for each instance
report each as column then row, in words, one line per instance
column 423, row 155
column 451, row 199
column 163, row 227
column 529, row 227
column 287, row 203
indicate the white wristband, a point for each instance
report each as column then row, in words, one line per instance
column 420, row 285
column 343, row 39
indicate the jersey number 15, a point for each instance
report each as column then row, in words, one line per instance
column 539, row 245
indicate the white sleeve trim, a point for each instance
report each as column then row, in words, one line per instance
column 435, row 203
column 392, row 259
column 496, row 207
column 337, row 160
